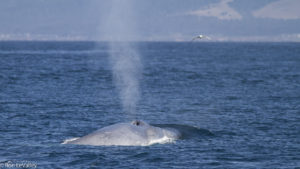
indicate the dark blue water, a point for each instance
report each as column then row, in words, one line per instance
column 238, row 104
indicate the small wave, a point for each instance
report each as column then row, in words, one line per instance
column 186, row 132
column 69, row 140
column 163, row 140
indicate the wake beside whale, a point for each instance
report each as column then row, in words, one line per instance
column 136, row 133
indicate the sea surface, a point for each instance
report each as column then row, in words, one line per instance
column 238, row 104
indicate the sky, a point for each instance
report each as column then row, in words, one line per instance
column 150, row 20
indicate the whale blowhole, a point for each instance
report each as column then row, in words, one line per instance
column 138, row 123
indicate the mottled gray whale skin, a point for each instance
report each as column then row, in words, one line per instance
column 136, row 133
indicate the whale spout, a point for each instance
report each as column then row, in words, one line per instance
column 136, row 133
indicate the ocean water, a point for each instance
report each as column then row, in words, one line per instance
column 237, row 104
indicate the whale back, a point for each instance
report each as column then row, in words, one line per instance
column 136, row 133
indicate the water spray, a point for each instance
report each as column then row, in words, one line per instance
column 124, row 57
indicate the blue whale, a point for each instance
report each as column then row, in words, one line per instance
column 136, row 133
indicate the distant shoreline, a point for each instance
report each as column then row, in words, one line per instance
column 94, row 41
